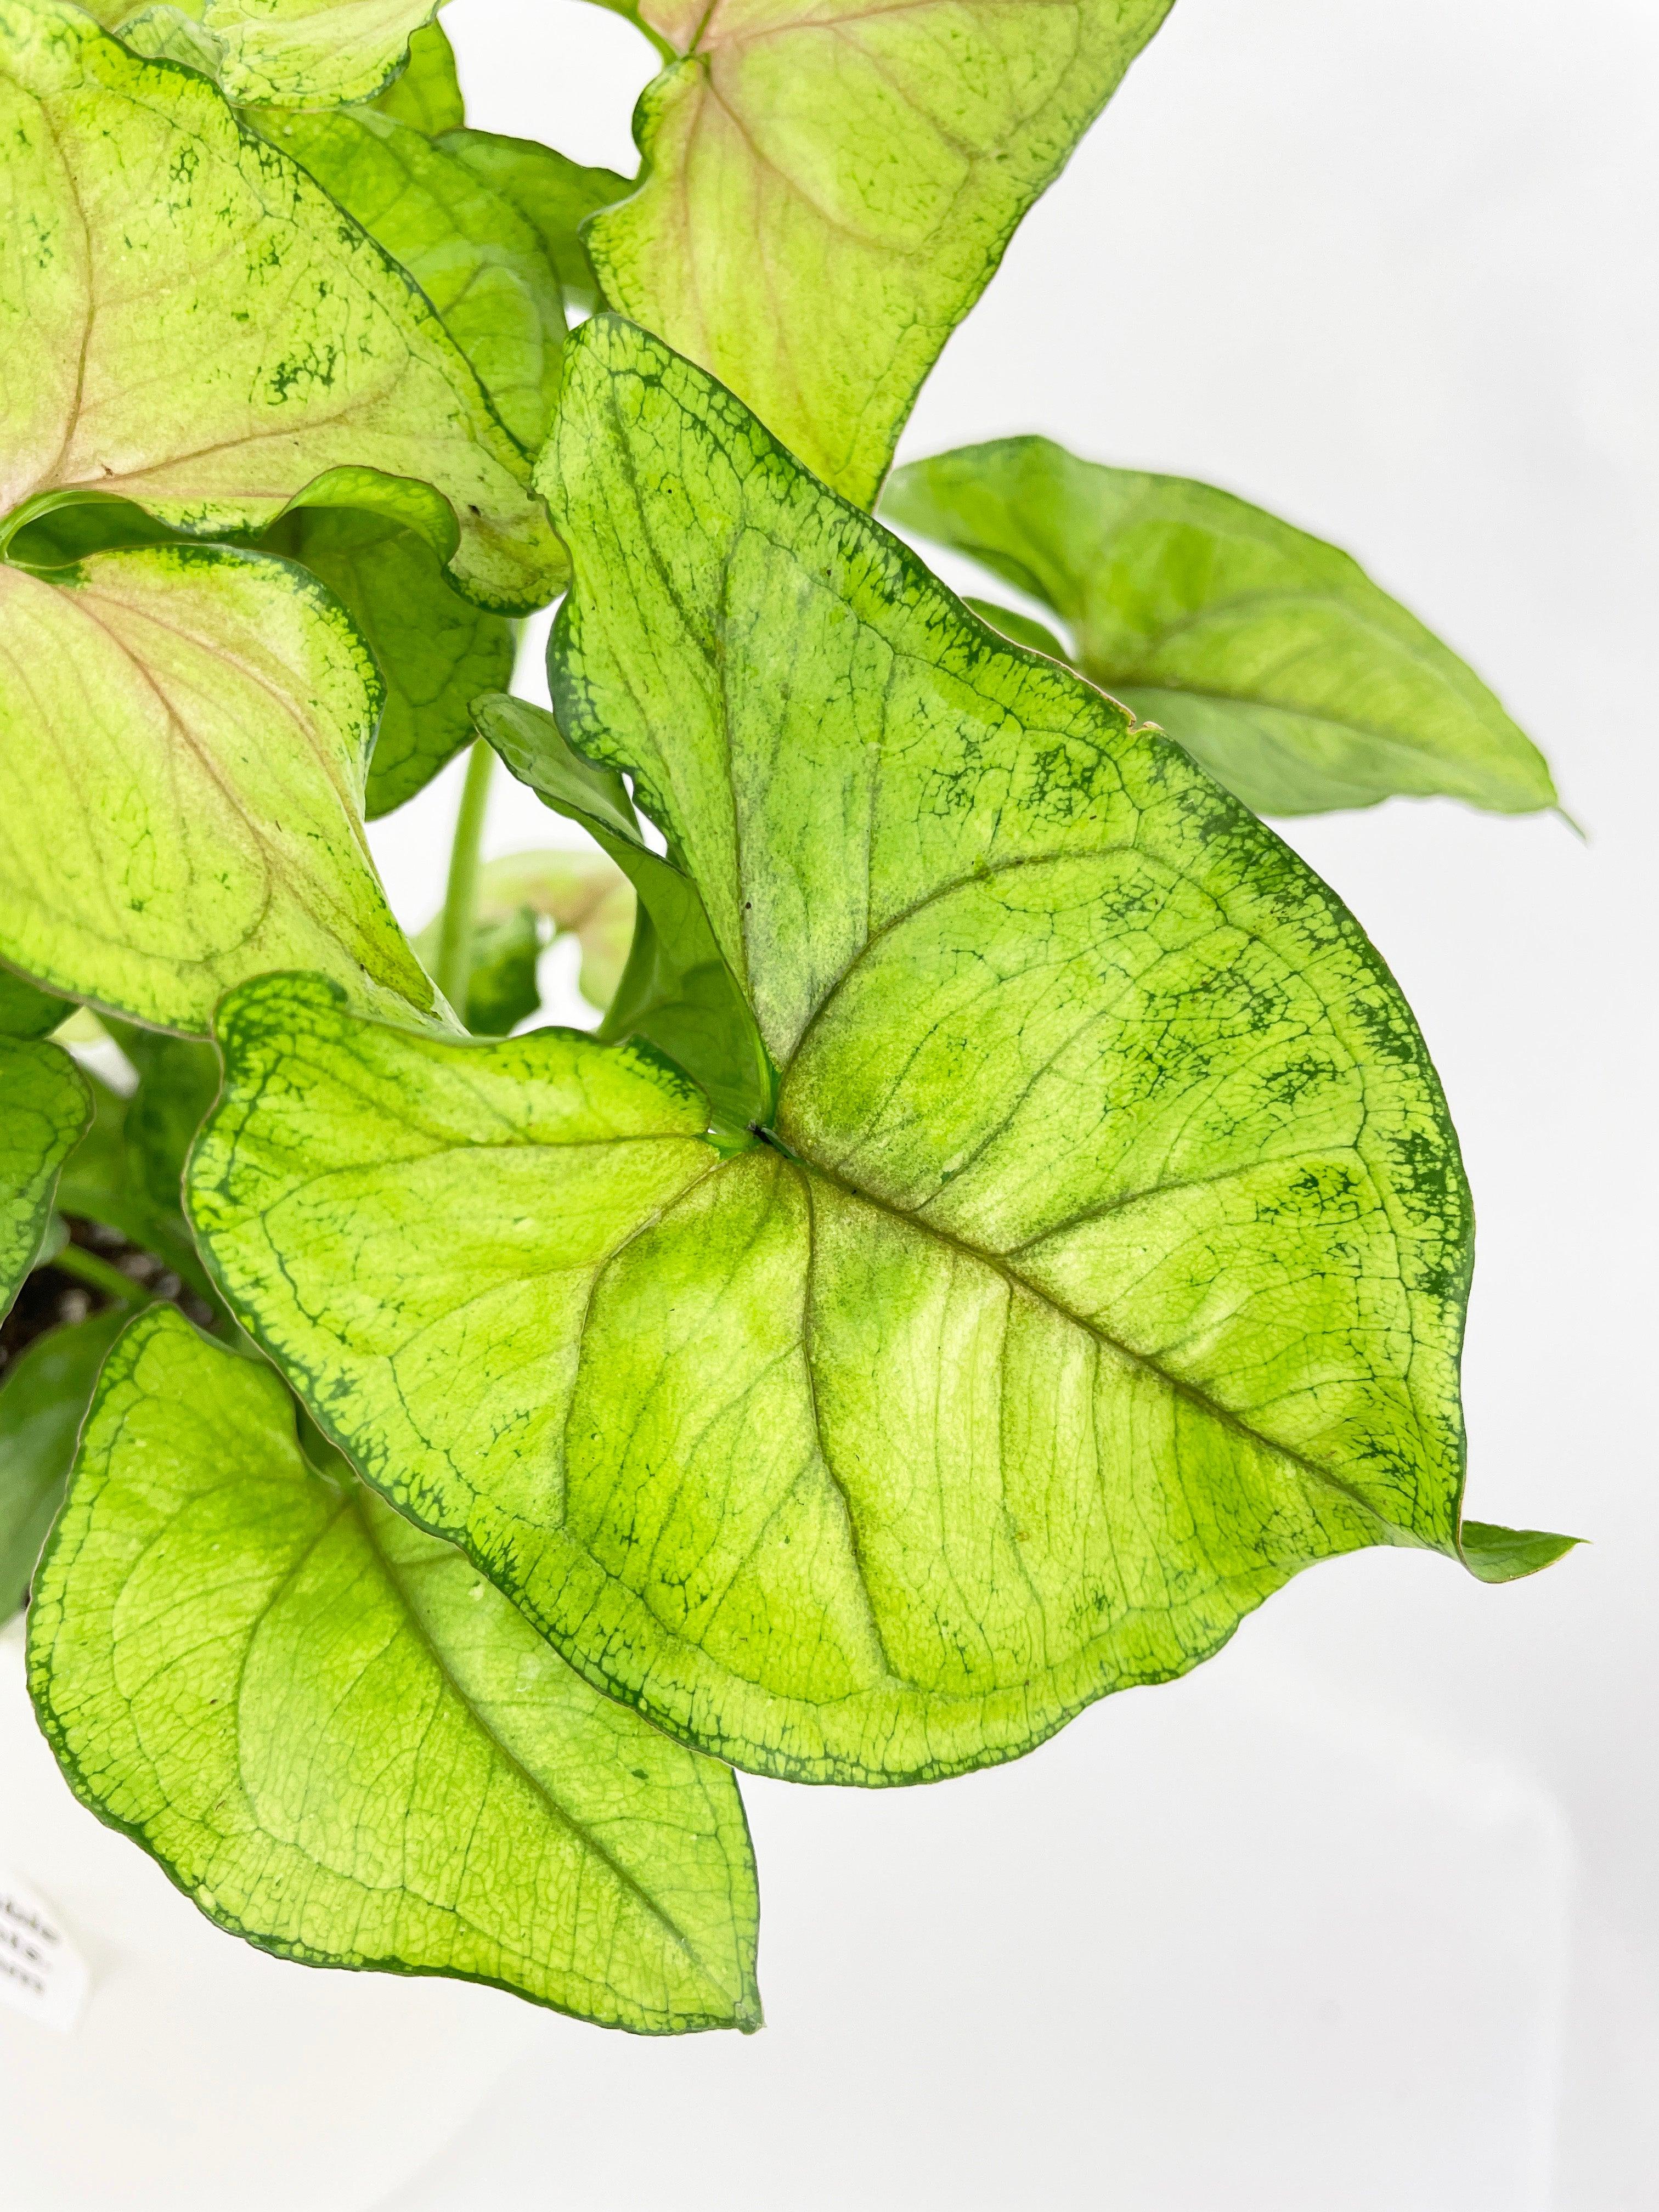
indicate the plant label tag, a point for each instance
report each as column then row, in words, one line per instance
column 42, row 1975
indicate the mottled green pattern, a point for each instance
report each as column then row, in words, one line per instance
column 44, row 1107
column 471, row 252
column 183, row 736
column 342, row 1743
column 828, row 185
column 1104, row 1263
column 44, row 1397
column 186, row 320
column 1271, row 656
column 313, row 54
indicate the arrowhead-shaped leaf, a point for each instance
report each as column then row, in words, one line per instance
column 828, row 188
column 211, row 335
column 476, row 257
column 1271, row 656
column 43, row 1401
column 44, row 1108
column 1104, row 1262
column 182, row 746
column 346, row 1746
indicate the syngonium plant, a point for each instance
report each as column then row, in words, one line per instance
column 1005, row 1222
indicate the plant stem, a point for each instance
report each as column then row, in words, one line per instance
column 461, row 896
column 99, row 1274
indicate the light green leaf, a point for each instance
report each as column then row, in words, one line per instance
column 313, row 53
column 472, row 253
column 210, row 336
column 183, row 734
column 427, row 93
column 27, row 1012
column 1104, row 1262
column 43, row 1401
column 676, row 992
column 555, row 195
column 1504, row 1555
column 829, row 184
column 345, row 1746
column 435, row 653
column 44, row 1107
column 1271, row 656
column 167, row 33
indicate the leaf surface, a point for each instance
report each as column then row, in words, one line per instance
column 43, row 1401
column 44, row 1108
column 313, row 54
column 552, row 192
column 1269, row 654
column 25, row 1012
column 209, row 336
column 829, row 184
column 435, row 651
column 427, row 93
column 342, row 1743
column 471, row 252
column 1104, row 1261
column 183, row 734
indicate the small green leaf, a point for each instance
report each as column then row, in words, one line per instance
column 427, row 93
column 44, row 1108
column 1505, row 1555
column 501, row 987
column 213, row 336
column 1102, row 1264
column 472, row 253
column 676, row 992
column 554, row 194
column 167, row 33
column 828, row 187
column 186, row 739
column 435, row 653
column 27, row 1012
column 43, row 1401
column 1269, row 655
column 584, row 895
column 341, row 1743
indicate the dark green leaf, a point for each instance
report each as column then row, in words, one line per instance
column 43, row 1401
column 25, row 1012
column 44, row 1108
column 502, row 991
column 1505, row 1555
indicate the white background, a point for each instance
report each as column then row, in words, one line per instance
column 1362, row 1916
